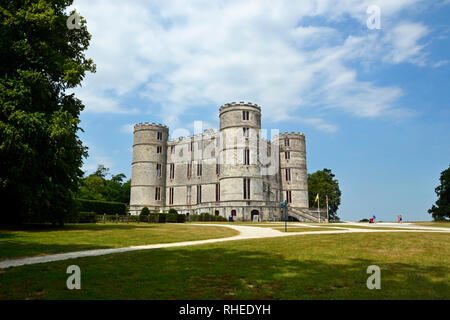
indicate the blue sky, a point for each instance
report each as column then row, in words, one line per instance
column 373, row 103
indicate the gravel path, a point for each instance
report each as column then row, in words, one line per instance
column 246, row 232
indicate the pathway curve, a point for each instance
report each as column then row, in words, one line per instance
column 245, row 232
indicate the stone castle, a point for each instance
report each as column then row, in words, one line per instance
column 231, row 172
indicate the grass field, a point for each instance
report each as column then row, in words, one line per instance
column 433, row 224
column 41, row 240
column 413, row 266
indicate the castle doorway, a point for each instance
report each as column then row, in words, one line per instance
column 217, row 213
column 255, row 215
column 233, row 213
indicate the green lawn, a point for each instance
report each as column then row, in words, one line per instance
column 433, row 224
column 41, row 240
column 413, row 266
column 302, row 229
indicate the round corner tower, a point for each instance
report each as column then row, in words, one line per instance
column 241, row 183
column 293, row 171
column 148, row 171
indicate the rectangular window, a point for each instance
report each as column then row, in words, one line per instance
column 288, row 197
column 286, row 142
column 287, row 155
column 189, row 170
column 170, row 195
column 172, row 171
column 199, row 194
column 246, row 156
column 288, row 174
column 158, row 169
column 159, row 135
column 158, row 149
column 217, row 168
column 245, row 115
column 188, row 195
column 191, row 147
column 157, row 193
column 246, row 188
column 199, row 169
column 172, row 149
column 217, row 192
column 245, row 131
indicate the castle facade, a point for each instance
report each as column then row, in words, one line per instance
column 234, row 172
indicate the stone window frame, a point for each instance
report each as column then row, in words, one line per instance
column 217, row 192
column 158, row 169
column 172, row 171
column 289, row 196
column 246, row 188
column 158, row 193
column 288, row 174
column 171, row 193
column 199, row 194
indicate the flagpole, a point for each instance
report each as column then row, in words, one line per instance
column 318, row 209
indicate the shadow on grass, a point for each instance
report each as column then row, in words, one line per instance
column 226, row 273
column 79, row 226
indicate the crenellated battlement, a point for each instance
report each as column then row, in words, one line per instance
column 290, row 135
column 240, row 104
column 150, row 126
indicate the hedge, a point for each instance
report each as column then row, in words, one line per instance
column 82, row 217
column 101, row 207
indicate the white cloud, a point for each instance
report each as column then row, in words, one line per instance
column 181, row 55
column 404, row 41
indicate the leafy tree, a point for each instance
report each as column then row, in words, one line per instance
column 441, row 211
column 322, row 182
column 145, row 211
column 40, row 152
column 92, row 188
column 97, row 187
column 101, row 171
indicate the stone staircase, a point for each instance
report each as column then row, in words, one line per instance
column 304, row 215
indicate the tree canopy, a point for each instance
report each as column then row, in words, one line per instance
column 441, row 210
column 40, row 152
column 322, row 182
column 97, row 187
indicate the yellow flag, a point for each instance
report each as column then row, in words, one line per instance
column 317, row 198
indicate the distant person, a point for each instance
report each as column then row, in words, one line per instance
column 400, row 219
column 371, row 220
column 374, row 219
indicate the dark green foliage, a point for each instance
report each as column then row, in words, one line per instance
column 172, row 210
column 162, row 217
column 206, row 216
column 101, row 207
column 171, row 217
column 40, row 151
column 364, row 220
column 83, row 217
column 97, row 187
column 145, row 211
column 322, row 182
column 441, row 211
column 181, row 218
